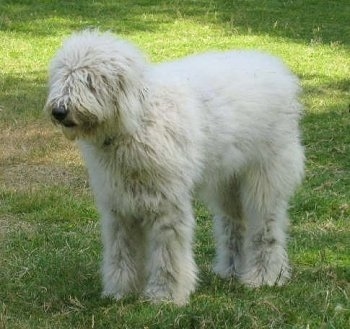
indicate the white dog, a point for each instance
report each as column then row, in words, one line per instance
column 223, row 125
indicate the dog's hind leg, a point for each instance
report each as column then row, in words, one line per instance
column 123, row 256
column 171, row 267
column 228, row 229
column 265, row 211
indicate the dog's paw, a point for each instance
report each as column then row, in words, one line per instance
column 158, row 294
column 258, row 277
column 112, row 295
column 225, row 271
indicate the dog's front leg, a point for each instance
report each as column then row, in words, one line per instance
column 123, row 256
column 171, row 268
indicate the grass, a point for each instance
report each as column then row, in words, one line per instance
column 49, row 231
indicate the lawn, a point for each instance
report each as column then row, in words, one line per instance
column 49, row 230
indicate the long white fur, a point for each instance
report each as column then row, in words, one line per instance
column 221, row 125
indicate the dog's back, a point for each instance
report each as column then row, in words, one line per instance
column 250, row 100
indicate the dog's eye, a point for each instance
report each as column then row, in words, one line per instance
column 89, row 80
column 104, row 79
column 89, row 83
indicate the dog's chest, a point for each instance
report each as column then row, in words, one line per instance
column 128, row 182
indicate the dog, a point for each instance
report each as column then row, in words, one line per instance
column 223, row 126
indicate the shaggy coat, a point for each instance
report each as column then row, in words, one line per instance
column 221, row 125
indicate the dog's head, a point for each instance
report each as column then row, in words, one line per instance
column 95, row 79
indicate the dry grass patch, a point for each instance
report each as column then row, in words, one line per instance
column 10, row 224
column 36, row 156
column 31, row 177
column 35, row 143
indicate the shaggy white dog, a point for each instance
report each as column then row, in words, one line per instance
column 223, row 125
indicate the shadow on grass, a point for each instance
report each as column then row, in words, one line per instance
column 302, row 21
column 22, row 96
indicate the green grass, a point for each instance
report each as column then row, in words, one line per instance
column 49, row 231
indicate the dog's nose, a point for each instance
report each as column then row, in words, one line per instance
column 60, row 112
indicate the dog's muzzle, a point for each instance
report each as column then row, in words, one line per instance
column 60, row 114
